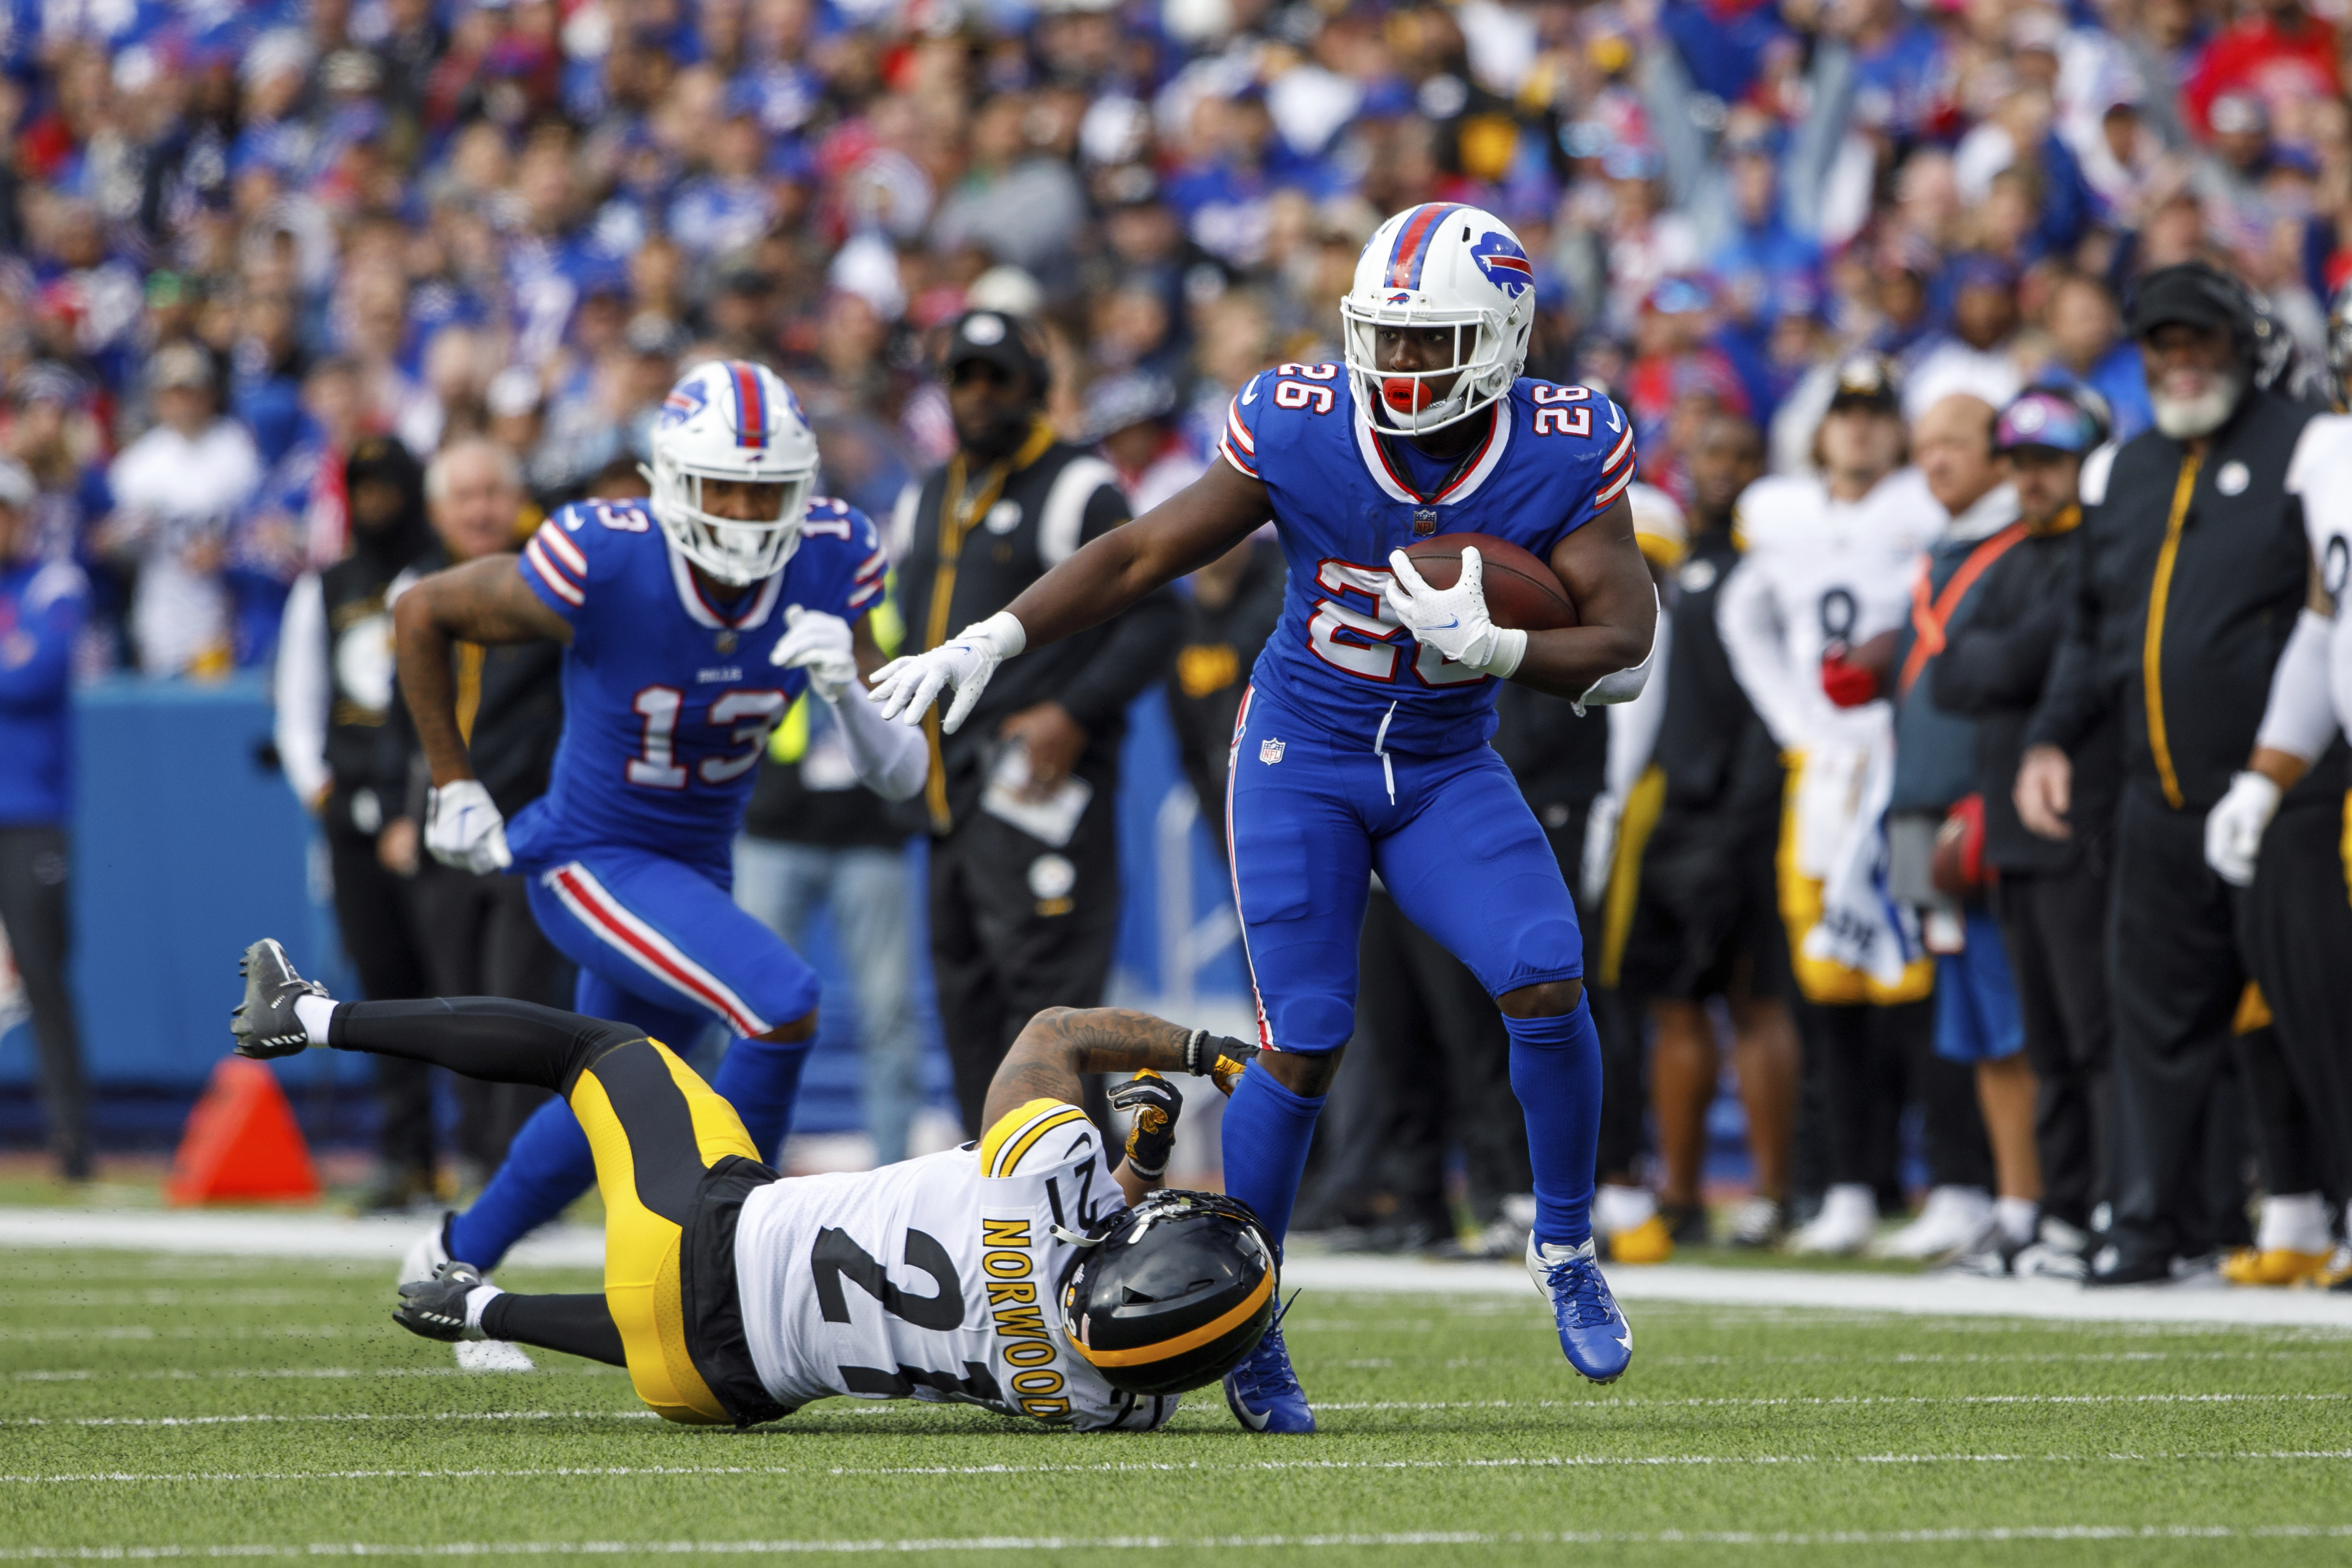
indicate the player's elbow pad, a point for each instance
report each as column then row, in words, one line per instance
column 1621, row 685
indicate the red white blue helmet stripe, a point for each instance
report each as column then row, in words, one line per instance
column 1412, row 244
column 751, row 405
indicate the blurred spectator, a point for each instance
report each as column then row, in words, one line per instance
column 176, row 491
column 1703, row 921
column 1024, row 854
column 475, row 931
column 2050, row 896
column 2183, row 638
column 2276, row 49
column 334, row 691
column 2089, row 351
column 42, row 603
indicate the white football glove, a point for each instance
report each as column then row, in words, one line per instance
column 1454, row 620
column 2233, row 829
column 463, row 829
column 821, row 645
column 904, row 689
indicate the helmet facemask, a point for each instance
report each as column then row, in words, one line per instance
column 1486, row 355
column 733, row 551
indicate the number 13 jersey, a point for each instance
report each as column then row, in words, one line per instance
column 1554, row 458
column 669, row 696
column 934, row 1279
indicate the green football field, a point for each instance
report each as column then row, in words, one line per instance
column 167, row 1406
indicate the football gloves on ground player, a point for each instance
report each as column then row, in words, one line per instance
column 1218, row 1057
column 463, row 828
column 1154, row 1104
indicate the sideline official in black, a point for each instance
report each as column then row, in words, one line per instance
column 2193, row 574
column 1024, row 902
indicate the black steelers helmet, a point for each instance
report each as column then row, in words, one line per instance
column 1170, row 1295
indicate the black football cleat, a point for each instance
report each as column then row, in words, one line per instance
column 436, row 1308
column 265, row 1023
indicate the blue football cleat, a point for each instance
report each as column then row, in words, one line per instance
column 1263, row 1391
column 1593, row 1334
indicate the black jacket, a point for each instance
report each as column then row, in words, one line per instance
column 1059, row 500
column 1995, row 662
column 1718, row 759
column 2233, row 564
column 368, row 763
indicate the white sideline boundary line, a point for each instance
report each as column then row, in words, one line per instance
column 1534, row 1462
column 314, row 1236
column 1203, row 1543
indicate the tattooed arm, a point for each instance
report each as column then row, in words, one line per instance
column 1061, row 1043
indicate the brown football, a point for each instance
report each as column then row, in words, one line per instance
column 1520, row 590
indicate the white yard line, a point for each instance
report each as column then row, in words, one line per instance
column 1538, row 1462
column 313, row 1235
column 1356, row 1541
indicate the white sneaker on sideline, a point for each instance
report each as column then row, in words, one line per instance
column 1956, row 1221
column 1848, row 1219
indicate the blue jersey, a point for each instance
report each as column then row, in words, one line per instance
column 1555, row 458
column 668, row 695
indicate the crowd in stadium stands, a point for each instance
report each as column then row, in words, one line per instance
column 262, row 264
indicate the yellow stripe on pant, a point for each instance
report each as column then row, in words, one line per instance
column 1822, row 982
column 642, row 1248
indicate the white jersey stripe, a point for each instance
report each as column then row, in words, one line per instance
column 1240, row 432
column 596, row 908
column 562, row 549
column 557, row 583
column 1625, row 445
column 1257, row 999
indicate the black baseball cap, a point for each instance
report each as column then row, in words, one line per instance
column 2188, row 293
column 1006, row 340
column 1868, row 380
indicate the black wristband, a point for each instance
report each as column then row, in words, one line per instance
column 1203, row 1048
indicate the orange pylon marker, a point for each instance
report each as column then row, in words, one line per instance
column 242, row 1144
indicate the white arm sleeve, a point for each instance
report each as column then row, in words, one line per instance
column 302, row 691
column 1634, row 725
column 1624, row 685
column 1754, row 641
column 891, row 759
column 2300, row 718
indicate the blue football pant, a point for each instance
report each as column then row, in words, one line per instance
column 662, row 946
column 1309, row 820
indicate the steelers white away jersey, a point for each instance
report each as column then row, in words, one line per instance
column 2320, row 476
column 934, row 1279
column 1814, row 571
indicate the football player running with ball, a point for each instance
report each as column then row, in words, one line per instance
column 1362, row 745
column 691, row 623
column 1029, row 1273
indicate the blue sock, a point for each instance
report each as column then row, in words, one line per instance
column 761, row 1079
column 548, row 1166
column 1266, row 1132
column 1556, row 1073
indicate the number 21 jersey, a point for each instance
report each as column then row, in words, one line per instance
column 669, row 696
column 1554, row 458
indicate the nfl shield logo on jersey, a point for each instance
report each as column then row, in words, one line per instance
column 1269, row 752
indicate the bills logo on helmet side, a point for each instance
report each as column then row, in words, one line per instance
column 1498, row 256
column 685, row 401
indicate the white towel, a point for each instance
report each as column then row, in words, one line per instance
column 1860, row 927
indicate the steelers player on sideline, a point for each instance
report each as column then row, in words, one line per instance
column 691, row 622
column 2310, row 702
column 1362, row 745
column 1023, row 1273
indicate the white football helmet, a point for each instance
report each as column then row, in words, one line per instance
column 731, row 420
column 1440, row 264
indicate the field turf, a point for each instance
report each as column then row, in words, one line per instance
column 165, row 1405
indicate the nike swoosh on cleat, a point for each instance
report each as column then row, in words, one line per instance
column 1626, row 1341
column 1254, row 1420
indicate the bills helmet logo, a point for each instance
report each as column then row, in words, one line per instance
column 685, row 401
column 1498, row 256
column 1404, row 298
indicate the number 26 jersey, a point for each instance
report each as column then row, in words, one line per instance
column 669, row 696
column 1554, row 458
column 934, row 1279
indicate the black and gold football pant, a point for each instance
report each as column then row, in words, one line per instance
column 656, row 1130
